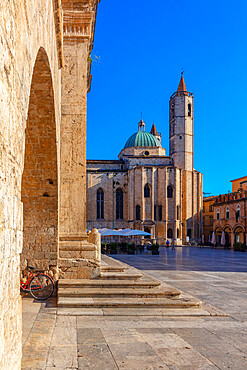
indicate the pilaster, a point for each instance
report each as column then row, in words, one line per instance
column 78, row 31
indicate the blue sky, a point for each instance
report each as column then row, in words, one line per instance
column 139, row 51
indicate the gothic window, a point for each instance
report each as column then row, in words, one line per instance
column 100, row 204
column 138, row 212
column 238, row 212
column 119, row 204
column 178, row 212
column 169, row 234
column 160, row 213
column 189, row 110
column 218, row 214
column 211, row 208
column 227, row 212
column 155, row 210
column 146, row 191
column 189, row 233
column 169, row 191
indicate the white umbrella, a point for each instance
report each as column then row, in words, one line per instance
column 110, row 232
column 137, row 233
column 223, row 238
column 213, row 241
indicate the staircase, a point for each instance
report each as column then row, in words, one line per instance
column 121, row 287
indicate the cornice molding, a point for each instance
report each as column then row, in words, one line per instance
column 77, row 25
column 79, row 18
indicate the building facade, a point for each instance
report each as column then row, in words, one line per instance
column 146, row 189
column 230, row 214
column 208, row 218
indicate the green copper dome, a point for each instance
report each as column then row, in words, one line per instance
column 142, row 139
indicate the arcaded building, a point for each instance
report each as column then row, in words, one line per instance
column 230, row 214
column 145, row 188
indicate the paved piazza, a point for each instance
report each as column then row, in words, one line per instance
column 218, row 277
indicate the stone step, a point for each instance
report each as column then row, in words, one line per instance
column 120, row 276
column 112, row 269
column 121, row 292
column 128, row 302
column 113, row 284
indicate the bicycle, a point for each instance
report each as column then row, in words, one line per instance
column 40, row 285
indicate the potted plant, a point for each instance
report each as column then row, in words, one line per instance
column 155, row 248
column 239, row 247
column 131, row 248
column 113, row 248
column 103, row 248
column 123, row 247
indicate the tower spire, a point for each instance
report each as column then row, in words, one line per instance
column 153, row 130
column 181, row 86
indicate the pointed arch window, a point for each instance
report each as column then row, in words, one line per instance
column 218, row 214
column 119, row 204
column 147, row 191
column 100, row 204
column 169, row 233
column 189, row 110
column 169, row 191
column 238, row 212
column 160, row 213
column 227, row 212
column 138, row 212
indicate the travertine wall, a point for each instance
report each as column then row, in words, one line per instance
column 181, row 131
column 31, row 54
column 25, row 27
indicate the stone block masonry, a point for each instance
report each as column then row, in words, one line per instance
column 31, row 58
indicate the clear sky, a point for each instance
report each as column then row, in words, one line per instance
column 139, row 51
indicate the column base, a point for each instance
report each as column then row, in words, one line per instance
column 78, row 260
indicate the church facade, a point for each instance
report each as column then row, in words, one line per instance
column 146, row 189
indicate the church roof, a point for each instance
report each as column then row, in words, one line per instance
column 181, row 86
column 142, row 139
column 153, row 130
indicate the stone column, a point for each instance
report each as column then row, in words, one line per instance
column 77, row 256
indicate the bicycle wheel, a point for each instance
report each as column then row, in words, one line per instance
column 41, row 286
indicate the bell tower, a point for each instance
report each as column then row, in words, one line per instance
column 181, row 127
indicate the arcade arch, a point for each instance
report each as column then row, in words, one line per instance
column 39, row 188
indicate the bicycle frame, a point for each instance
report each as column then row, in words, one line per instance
column 25, row 285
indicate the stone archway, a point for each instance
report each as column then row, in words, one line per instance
column 238, row 235
column 228, row 236
column 39, row 190
column 218, row 235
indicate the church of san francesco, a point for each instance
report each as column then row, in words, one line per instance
column 146, row 189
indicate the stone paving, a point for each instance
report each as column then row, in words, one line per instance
column 52, row 340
